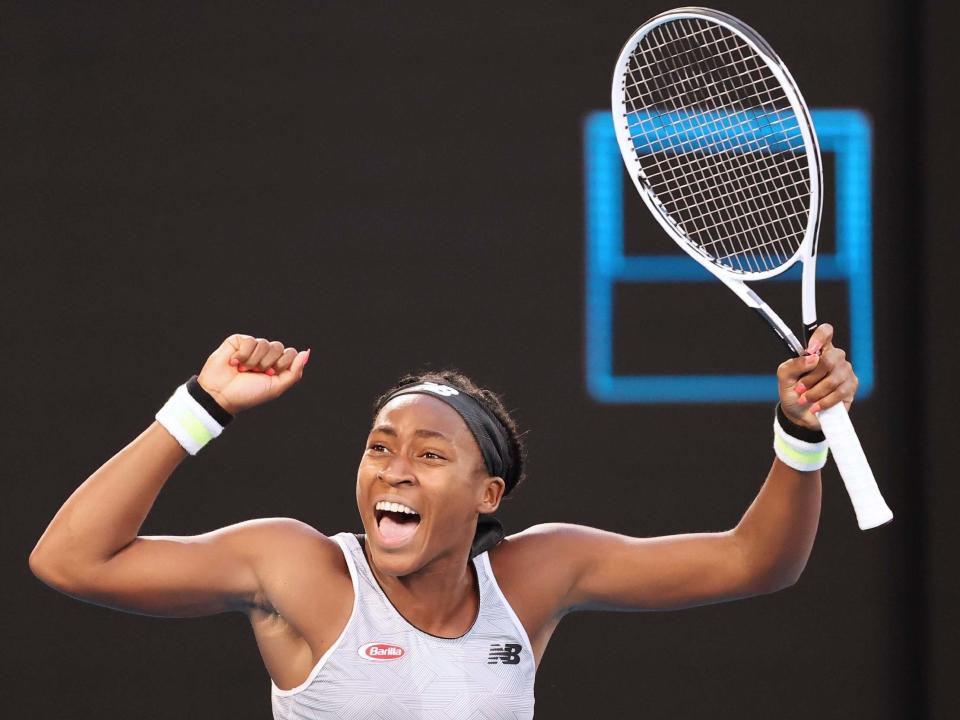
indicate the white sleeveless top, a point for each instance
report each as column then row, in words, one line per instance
column 381, row 666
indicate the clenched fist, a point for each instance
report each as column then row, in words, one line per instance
column 246, row 371
column 816, row 381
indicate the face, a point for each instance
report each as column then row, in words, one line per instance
column 421, row 455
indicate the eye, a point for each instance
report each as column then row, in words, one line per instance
column 430, row 455
column 376, row 447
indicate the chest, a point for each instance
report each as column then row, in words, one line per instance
column 383, row 666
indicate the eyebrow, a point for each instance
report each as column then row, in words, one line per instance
column 423, row 432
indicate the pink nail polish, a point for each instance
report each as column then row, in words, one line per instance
column 242, row 368
column 802, row 400
column 815, row 408
column 800, row 388
column 307, row 358
column 271, row 371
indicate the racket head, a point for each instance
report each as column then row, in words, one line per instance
column 719, row 143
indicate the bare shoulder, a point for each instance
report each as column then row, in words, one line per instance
column 271, row 539
column 550, row 542
column 267, row 533
column 306, row 595
column 537, row 567
column 289, row 556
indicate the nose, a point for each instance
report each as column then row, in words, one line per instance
column 398, row 472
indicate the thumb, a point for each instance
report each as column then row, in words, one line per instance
column 790, row 371
column 821, row 338
column 291, row 376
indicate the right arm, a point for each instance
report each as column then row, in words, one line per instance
column 91, row 549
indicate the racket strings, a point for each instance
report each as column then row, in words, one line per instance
column 765, row 92
column 736, row 180
column 718, row 143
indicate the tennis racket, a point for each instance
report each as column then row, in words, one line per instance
column 720, row 146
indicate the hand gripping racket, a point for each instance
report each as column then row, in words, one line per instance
column 719, row 143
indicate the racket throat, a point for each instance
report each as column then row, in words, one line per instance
column 777, row 325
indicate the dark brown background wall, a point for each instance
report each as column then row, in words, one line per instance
column 400, row 187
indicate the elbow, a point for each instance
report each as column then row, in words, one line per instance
column 40, row 566
column 770, row 574
column 768, row 570
column 48, row 571
column 774, row 581
column 781, row 584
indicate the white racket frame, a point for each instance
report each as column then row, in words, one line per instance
column 870, row 508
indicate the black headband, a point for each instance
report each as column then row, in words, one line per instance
column 487, row 430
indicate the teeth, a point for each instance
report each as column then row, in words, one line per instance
column 395, row 507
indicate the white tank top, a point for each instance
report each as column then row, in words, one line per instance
column 381, row 666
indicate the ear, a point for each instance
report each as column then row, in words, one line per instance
column 493, row 488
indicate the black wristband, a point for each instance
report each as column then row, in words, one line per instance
column 796, row 431
column 208, row 403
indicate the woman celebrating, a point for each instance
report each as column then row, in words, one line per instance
column 431, row 613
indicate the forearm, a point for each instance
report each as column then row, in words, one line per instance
column 106, row 512
column 776, row 533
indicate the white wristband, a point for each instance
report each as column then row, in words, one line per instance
column 798, row 454
column 189, row 423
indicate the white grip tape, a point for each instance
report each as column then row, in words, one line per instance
column 867, row 501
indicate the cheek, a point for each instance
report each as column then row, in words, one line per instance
column 452, row 492
column 366, row 472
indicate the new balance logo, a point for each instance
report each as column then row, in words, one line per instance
column 508, row 654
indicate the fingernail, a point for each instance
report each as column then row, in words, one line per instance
column 802, row 400
column 799, row 388
column 271, row 371
column 810, row 360
column 813, row 348
column 815, row 408
column 234, row 361
column 307, row 358
column 242, row 368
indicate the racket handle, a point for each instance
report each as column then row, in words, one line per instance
column 867, row 501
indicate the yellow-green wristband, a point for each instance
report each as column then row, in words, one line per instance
column 806, row 454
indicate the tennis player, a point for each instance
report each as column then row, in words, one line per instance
column 431, row 612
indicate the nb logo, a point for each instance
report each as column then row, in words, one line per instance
column 508, row 654
column 437, row 389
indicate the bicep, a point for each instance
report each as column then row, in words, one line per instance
column 185, row 576
column 616, row 572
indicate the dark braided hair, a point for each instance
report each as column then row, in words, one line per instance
column 487, row 398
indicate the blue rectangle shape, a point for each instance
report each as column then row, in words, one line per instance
column 844, row 132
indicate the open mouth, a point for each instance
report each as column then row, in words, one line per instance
column 396, row 522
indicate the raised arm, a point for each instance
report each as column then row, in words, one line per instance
column 91, row 549
column 765, row 552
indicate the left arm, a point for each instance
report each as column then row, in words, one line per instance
column 765, row 552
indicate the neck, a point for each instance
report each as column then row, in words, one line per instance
column 439, row 599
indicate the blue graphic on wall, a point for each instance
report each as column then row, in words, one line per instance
column 843, row 132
